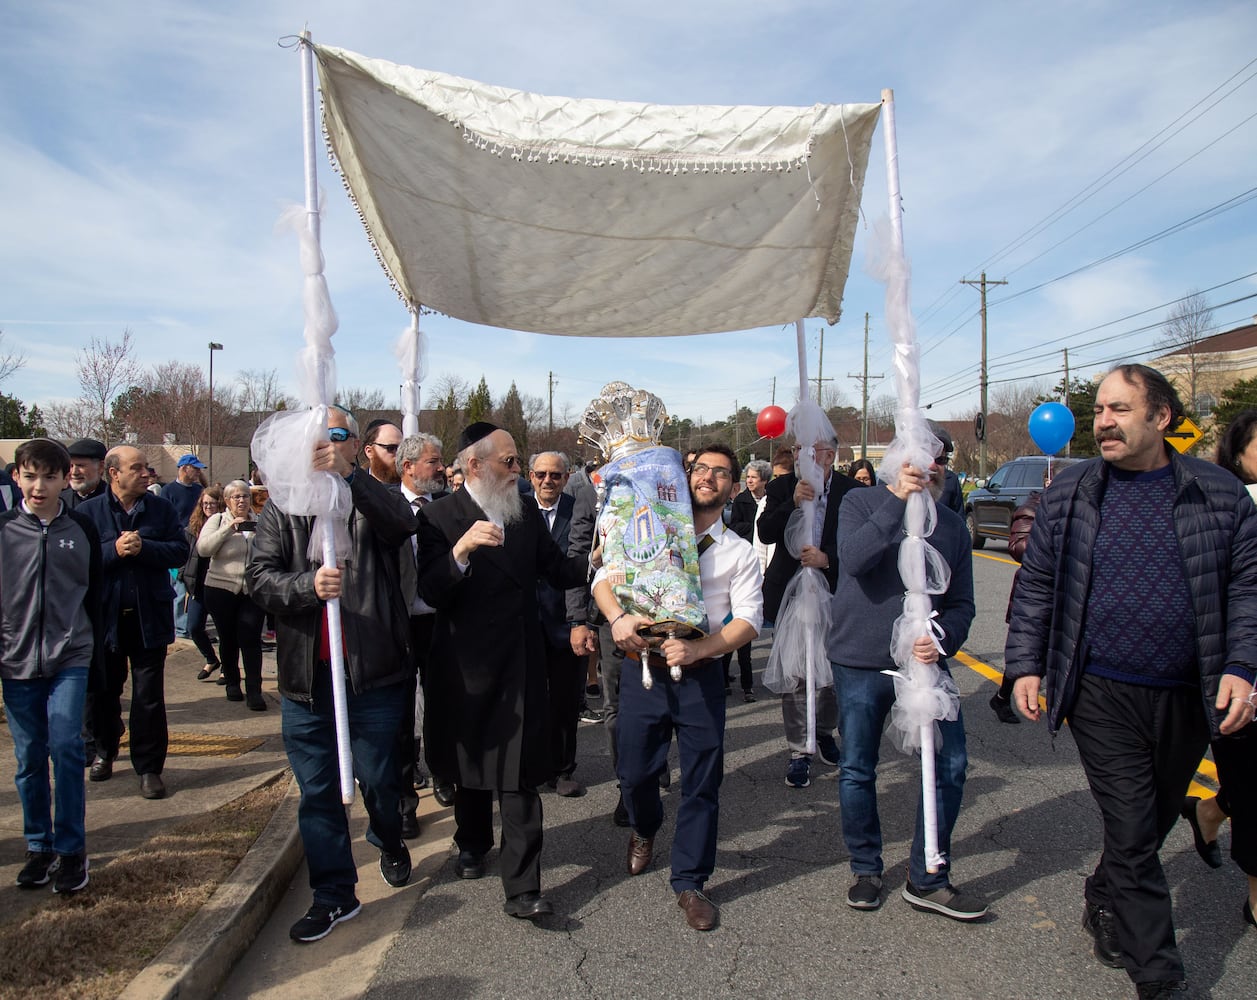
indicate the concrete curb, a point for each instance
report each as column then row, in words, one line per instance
column 195, row 964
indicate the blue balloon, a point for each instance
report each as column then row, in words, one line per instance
column 1051, row 426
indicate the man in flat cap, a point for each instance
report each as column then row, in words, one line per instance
column 87, row 464
column 482, row 552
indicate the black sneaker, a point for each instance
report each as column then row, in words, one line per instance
column 947, row 900
column 319, row 921
column 1098, row 922
column 866, row 893
column 827, row 748
column 395, row 867
column 1003, row 708
column 36, row 870
column 799, row 772
column 71, row 872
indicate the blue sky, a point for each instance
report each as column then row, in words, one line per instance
column 149, row 149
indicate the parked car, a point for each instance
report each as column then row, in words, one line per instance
column 989, row 506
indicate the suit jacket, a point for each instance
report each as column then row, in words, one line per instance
column 550, row 599
column 745, row 507
column 485, row 723
column 772, row 531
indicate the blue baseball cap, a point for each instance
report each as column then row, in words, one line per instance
column 191, row 460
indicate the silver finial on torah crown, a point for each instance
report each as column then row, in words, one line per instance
column 623, row 420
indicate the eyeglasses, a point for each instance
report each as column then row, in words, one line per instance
column 209, row 505
column 556, row 476
column 942, row 459
column 511, row 461
column 718, row 472
column 390, row 448
column 339, row 434
column 235, row 497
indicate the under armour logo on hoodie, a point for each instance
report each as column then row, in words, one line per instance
column 67, row 543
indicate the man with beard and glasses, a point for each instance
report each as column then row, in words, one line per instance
column 422, row 481
column 380, row 442
column 482, row 552
column 867, row 602
column 1137, row 602
column 694, row 707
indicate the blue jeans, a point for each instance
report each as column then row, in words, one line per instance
column 865, row 698
column 181, row 609
column 46, row 718
column 310, row 740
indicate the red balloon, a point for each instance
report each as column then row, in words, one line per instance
column 771, row 421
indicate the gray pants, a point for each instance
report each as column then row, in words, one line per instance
column 794, row 716
column 610, row 659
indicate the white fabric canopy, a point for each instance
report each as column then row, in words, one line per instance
column 596, row 218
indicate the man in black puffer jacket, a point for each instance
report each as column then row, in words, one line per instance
column 1137, row 601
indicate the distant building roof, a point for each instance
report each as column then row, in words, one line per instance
column 1242, row 338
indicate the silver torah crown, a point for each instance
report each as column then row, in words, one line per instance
column 623, row 420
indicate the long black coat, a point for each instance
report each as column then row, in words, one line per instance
column 485, row 721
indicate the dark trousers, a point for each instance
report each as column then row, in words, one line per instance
column 310, row 739
column 407, row 749
column 693, row 708
column 147, row 720
column 239, row 624
column 520, row 859
column 1140, row 747
column 196, row 630
column 1236, row 757
column 565, row 686
column 744, row 667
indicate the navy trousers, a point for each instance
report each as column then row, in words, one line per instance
column 694, row 709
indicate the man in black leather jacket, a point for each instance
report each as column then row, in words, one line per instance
column 374, row 618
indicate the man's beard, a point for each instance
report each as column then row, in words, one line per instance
column 423, row 486
column 500, row 499
column 385, row 472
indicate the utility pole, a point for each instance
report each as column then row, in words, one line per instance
column 1067, row 443
column 981, row 285
column 820, row 371
column 736, row 435
column 864, row 391
column 774, row 399
column 551, row 382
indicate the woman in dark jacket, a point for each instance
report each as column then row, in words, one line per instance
column 1018, row 537
column 193, row 576
column 1235, row 755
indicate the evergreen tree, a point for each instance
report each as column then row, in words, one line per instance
column 1082, row 401
column 479, row 403
column 510, row 417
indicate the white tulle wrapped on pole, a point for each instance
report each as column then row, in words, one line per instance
column 411, row 352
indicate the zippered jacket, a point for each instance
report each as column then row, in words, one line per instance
column 164, row 546
column 1216, row 526
column 49, row 596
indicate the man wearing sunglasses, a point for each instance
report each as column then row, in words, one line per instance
column 380, row 443
column 375, row 635
column 482, row 553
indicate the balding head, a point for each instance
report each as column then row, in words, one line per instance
column 127, row 470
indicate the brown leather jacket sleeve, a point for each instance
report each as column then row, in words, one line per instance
column 1023, row 521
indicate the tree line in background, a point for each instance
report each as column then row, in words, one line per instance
column 170, row 402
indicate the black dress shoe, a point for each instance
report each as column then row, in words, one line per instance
column 527, row 906
column 410, row 826
column 469, row 865
column 1099, row 922
column 620, row 817
column 1209, row 851
column 443, row 791
column 152, row 787
column 102, row 769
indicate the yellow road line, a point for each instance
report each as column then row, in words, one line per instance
column 1003, row 559
column 1205, row 771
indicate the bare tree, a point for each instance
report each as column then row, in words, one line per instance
column 10, row 361
column 76, row 418
column 258, row 394
column 1008, row 423
column 1190, row 322
column 104, row 369
column 355, row 398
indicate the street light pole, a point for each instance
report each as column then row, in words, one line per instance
column 209, row 472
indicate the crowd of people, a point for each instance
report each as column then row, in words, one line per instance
column 474, row 611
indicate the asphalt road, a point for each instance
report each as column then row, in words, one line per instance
column 1028, row 835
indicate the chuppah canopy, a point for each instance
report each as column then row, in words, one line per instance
column 596, row 218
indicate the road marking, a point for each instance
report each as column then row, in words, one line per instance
column 1206, row 770
column 1003, row 559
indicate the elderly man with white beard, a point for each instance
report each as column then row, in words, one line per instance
column 482, row 552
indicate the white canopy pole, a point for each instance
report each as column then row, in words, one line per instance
column 929, row 797
column 809, row 739
column 339, row 701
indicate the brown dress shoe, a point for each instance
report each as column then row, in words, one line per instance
column 700, row 912
column 152, row 787
column 640, row 851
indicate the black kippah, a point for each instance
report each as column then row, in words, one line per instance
column 475, row 432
